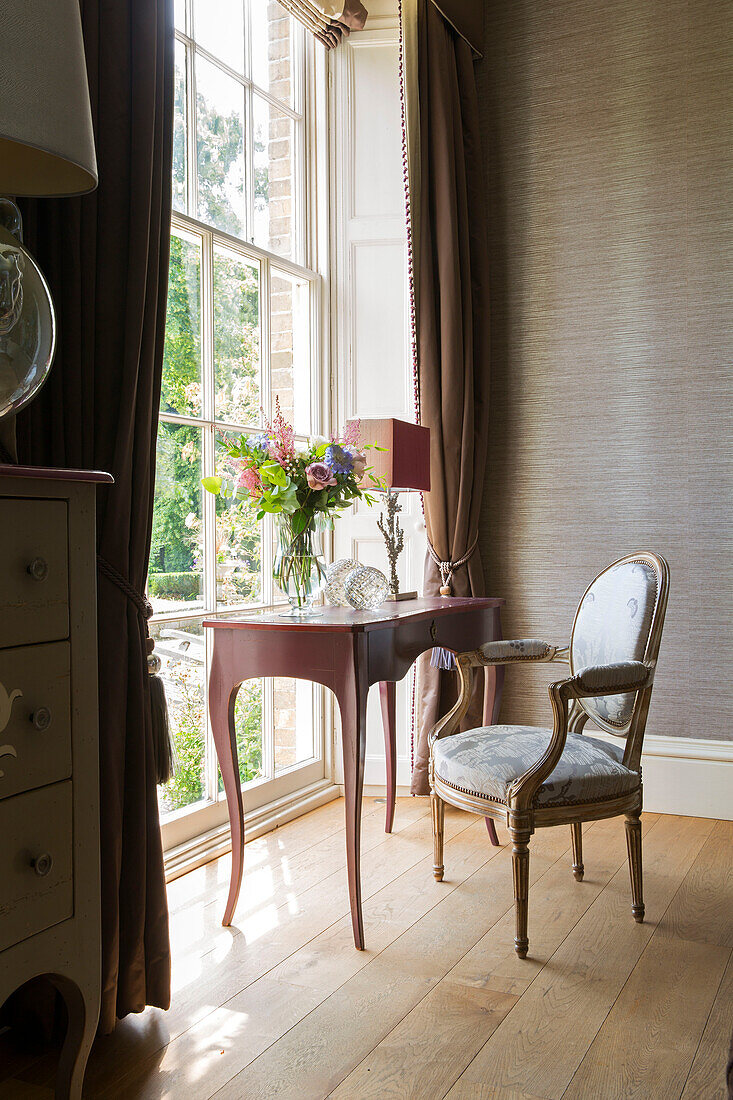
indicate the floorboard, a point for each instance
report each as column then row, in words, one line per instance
column 439, row 1005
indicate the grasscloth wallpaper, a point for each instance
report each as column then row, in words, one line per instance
column 607, row 139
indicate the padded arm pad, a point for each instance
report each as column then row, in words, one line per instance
column 520, row 649
column 612, row 679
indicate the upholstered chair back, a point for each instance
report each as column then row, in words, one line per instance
column 619, row 619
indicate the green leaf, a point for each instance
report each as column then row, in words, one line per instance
column 274, row 473
column 299, row 522
column 212, row 484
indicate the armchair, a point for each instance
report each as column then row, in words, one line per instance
column 530, row 777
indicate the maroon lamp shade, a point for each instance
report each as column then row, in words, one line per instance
column 405, row 464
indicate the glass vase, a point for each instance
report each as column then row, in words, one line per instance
column 299, row 569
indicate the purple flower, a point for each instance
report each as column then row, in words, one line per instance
column 339, row 459
column 319, row 475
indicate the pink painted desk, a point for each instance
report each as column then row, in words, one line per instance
column 347, row 651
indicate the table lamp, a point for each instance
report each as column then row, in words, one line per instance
column 404, row 464
column 46, row 149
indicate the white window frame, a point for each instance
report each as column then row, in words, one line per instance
column 193, row 834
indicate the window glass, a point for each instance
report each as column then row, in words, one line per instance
column 180, row 128
column 290, row 355
column 219, row 28
column 181, row 385
column 236, row 338
column 220, row 149
column 274, row 178
column 272, row 49
column 175, row 573
column 293, row 722
column 180, row 646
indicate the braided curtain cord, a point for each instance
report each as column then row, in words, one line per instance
column 163, row 748
column 448, row 568
column 445, row 658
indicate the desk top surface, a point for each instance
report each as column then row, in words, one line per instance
column 344, row 619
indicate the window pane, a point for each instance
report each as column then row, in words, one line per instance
column 293, row 722
column 274, row 178
column 219, row 28
column 236, row 338
column 290, row 343
column 179, row 15
column 181, row 387
column 272, row 49
column 238, row 550
column 179, row 131
column 180, row 646
column 175, row 579
column 220, row 148
column 248, row 726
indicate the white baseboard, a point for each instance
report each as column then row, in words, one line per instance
column 682, row 775
column 687, row 776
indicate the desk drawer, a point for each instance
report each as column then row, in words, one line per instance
column 35, row 717
column 34, row 571
column 36, row 877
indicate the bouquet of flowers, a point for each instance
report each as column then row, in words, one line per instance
column 303, row 486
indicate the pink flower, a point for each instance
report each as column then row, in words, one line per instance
column 282, row 446
column 319, row 475
column 249, row 479
column 350, row 434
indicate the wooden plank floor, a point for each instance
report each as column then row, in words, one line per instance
column 281, row 1005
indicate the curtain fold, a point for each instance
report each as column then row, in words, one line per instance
column 451, row 310
column 328, row 20
column 106, row 258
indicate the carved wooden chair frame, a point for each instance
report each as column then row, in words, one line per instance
column 519, row 813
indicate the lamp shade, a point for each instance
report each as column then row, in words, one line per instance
column 46, row 137
column 405, row 462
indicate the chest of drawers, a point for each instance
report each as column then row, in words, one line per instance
column 49, row 771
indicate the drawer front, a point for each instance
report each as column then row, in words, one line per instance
column 35, row 717
column 34, row 571
column 36, row 865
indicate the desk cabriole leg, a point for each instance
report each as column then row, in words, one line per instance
column 222, row 697
column 387, row 694
column 352, row 700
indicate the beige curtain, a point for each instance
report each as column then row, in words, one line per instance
column 328, row 20
column 451, row 303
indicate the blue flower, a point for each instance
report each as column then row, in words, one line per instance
column 340, row 461
column 259, row 442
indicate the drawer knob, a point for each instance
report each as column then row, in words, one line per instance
column 38, row 569
column 42, row 864
column 41, row 718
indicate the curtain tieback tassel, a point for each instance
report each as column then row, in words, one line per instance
column 163, row 748
column 445, row 658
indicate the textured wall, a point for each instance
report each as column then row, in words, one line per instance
column 608, row 149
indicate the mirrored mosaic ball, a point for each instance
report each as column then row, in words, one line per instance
column 336, row 575
column 366, row 588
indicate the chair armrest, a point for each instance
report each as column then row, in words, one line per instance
column 610, row 679
column 513, row 651
column 594, row 680
column 508, row 652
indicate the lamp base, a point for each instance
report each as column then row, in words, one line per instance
column 402, row 596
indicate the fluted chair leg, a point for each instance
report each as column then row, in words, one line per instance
column 576, row 835
column 437, row 806
column 633, row 844
column 520, row 871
